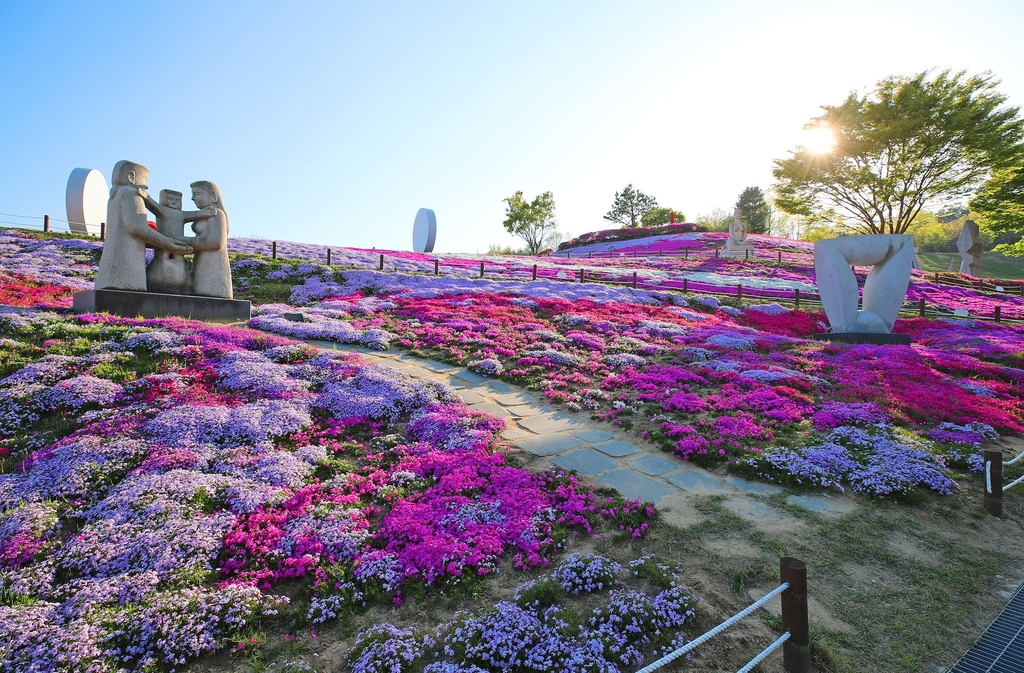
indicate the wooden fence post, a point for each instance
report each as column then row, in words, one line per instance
column 685, row 290
column 780, row 257
column 796, row 652
column 581, row 275
column 686, row 253
column 437, row 267
column 328, row 256
column 716, row 253
column 535, row 272
column 46, row 223
column 273, row 250
column 997, row 313
column 634, row 280
column 381, row 261
column 746, row 254
column 920, row 307
column 739, row 290
column 993, row 482
column 590, row 255
column 481, row 269
column 103, row 231
column 796, row 299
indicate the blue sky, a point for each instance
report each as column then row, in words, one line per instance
column 335, row 122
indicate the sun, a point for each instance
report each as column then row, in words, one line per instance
column 819, row 140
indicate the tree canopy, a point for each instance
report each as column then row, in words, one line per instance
column 1000, row 206
column 656, row 217
column 756, row 211
column 630, row 206
column 912, row 141
column 533, row 222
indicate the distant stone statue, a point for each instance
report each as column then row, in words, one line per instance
column 969, row 245
column 168, row 271
column 123, row 261
column 211, row 270
column 890, row 256
column 737, row 244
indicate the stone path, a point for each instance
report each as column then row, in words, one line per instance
column 547, row 437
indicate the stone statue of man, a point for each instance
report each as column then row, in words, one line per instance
column 168, row 272
column 211, row 271
column 123, row 261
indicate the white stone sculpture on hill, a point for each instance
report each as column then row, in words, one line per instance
column 890, row 257
column 969, row 245
column 737, row 244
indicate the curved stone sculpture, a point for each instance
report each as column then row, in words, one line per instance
column 890, row 257
column 86, row 200
column 424, row 231
column 969, row 245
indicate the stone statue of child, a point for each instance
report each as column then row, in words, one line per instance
column 211, row 271
column 123, row 261
column 168, row 272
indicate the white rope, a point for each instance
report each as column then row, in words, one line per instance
column 1014, row 460
column 1011, row 485
column 693, row 644
column 764, row 653
column 988, row 477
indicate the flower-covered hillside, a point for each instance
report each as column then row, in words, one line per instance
column 710, row 381
column 161, row 481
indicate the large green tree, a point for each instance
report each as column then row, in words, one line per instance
column 531, row 221
column 630, row 206
column 913, row 140
column 756, row 211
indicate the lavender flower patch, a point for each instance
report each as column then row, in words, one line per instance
column 587, row 574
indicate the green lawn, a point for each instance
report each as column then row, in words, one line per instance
column 993, row 265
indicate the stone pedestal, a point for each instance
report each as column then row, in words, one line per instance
column 156, row 305
column 876, row 338
column 743, row 250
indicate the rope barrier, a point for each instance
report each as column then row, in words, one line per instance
column 764, row 653
column 23, row 217
column 696, row 642
column 1014, row 460
column 1013, row 483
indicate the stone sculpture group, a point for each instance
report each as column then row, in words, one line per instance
column 123, row 262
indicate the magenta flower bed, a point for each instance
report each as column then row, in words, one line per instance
column 162, row 478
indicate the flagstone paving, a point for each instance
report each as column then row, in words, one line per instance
column 599, row 453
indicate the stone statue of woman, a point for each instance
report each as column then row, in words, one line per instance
column 211, row 271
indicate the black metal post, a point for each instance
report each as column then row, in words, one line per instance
column 796, row 652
